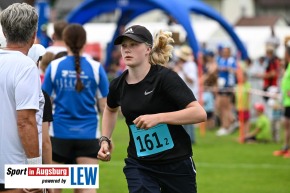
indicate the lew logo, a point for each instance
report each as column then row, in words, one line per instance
column 52, row 176
column 129, row 30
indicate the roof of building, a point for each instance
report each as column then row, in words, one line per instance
column 258, row 21
column 273, row 3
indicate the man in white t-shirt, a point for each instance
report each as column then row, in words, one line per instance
column 20, row 91
column 58, row 44
column 187, row 69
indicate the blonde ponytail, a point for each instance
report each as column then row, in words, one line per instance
column 162, row 48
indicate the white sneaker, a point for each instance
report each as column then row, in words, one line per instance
column 222, row 131
column 233, row 127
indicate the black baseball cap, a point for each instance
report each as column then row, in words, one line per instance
column 137, row 33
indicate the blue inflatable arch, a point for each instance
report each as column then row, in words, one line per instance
column 130, row 9
column 203, row 9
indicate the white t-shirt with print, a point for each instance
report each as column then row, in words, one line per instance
column 20, row 88
column 190, row 70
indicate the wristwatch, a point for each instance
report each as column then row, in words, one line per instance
column 104, row 138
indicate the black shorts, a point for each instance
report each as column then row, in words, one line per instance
column 67, row 150
column 266, row 97
column 2, row 188
column 254, row 138
column 179, row 176
column 209, row 114
column 287, row 112
column 229, row 92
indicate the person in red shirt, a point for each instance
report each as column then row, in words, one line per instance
column 271, row 74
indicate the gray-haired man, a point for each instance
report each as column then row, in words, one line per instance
column 20, row 91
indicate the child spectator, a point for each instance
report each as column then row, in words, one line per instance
column 242, row 101
column 275, row 113
column 261, row 132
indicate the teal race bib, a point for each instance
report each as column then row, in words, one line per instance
column 153, row 140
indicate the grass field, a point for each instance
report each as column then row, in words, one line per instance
column 223, row 166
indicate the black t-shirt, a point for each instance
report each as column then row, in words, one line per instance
column 47, row 110
column 162, row 90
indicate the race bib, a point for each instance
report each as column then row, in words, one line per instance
column 153, row 140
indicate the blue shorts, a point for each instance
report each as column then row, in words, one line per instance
column 177, row 177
